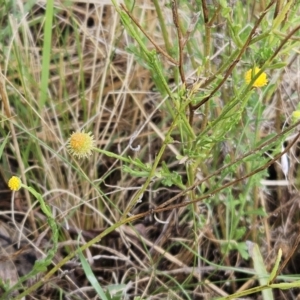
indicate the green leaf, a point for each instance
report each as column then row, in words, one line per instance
column 260, row 269
column 116, row 291
column 90, row 275
column 285, row 285
column 223, row 3
column 136, row 173
column 3, row 145
column 278, row 65
column 243, row 250
column 239, row 233
column 258, row 212
column 170, row 178
column 282, row 14
column 275, row 268
column 47, row 48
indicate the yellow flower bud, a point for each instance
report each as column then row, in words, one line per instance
column 296, row 115
column 14, row 183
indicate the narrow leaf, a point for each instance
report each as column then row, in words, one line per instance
column 275, row 268
column 91, row 277
column 3, row 145
column 260, row 269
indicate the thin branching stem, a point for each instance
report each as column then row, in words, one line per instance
column 234, row 63
column 180, row 40
column 163, row 27
column 157, row 47
column 160, row 208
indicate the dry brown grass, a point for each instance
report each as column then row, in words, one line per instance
column 97, row 84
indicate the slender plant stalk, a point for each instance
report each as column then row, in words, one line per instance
column 46, row 52
column 16, row 146
column 163, row 27
column 140, row 193
column 142, row 215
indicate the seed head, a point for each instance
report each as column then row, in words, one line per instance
column 81, row 144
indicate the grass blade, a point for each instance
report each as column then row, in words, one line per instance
column 46, row 52
column 91, row 277
column 260, row 269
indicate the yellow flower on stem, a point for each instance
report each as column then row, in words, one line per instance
column 260, row 81
column 81, row 144
column 14, row 183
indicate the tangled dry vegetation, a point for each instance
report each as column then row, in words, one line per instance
column 97, row 83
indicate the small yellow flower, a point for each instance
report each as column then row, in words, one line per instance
column 81, row 144
column 260, row 81
column 14, row 183
column 296, row 115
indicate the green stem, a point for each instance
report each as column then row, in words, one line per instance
column 163, row 27
column 140, row 193
column 72, row 254
column 40, row 265
column 207, row 50
column 122, row 158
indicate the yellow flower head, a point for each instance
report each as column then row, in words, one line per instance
column 81, row 144
column 260, row 81
column 296, row 116
column 14, row 183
